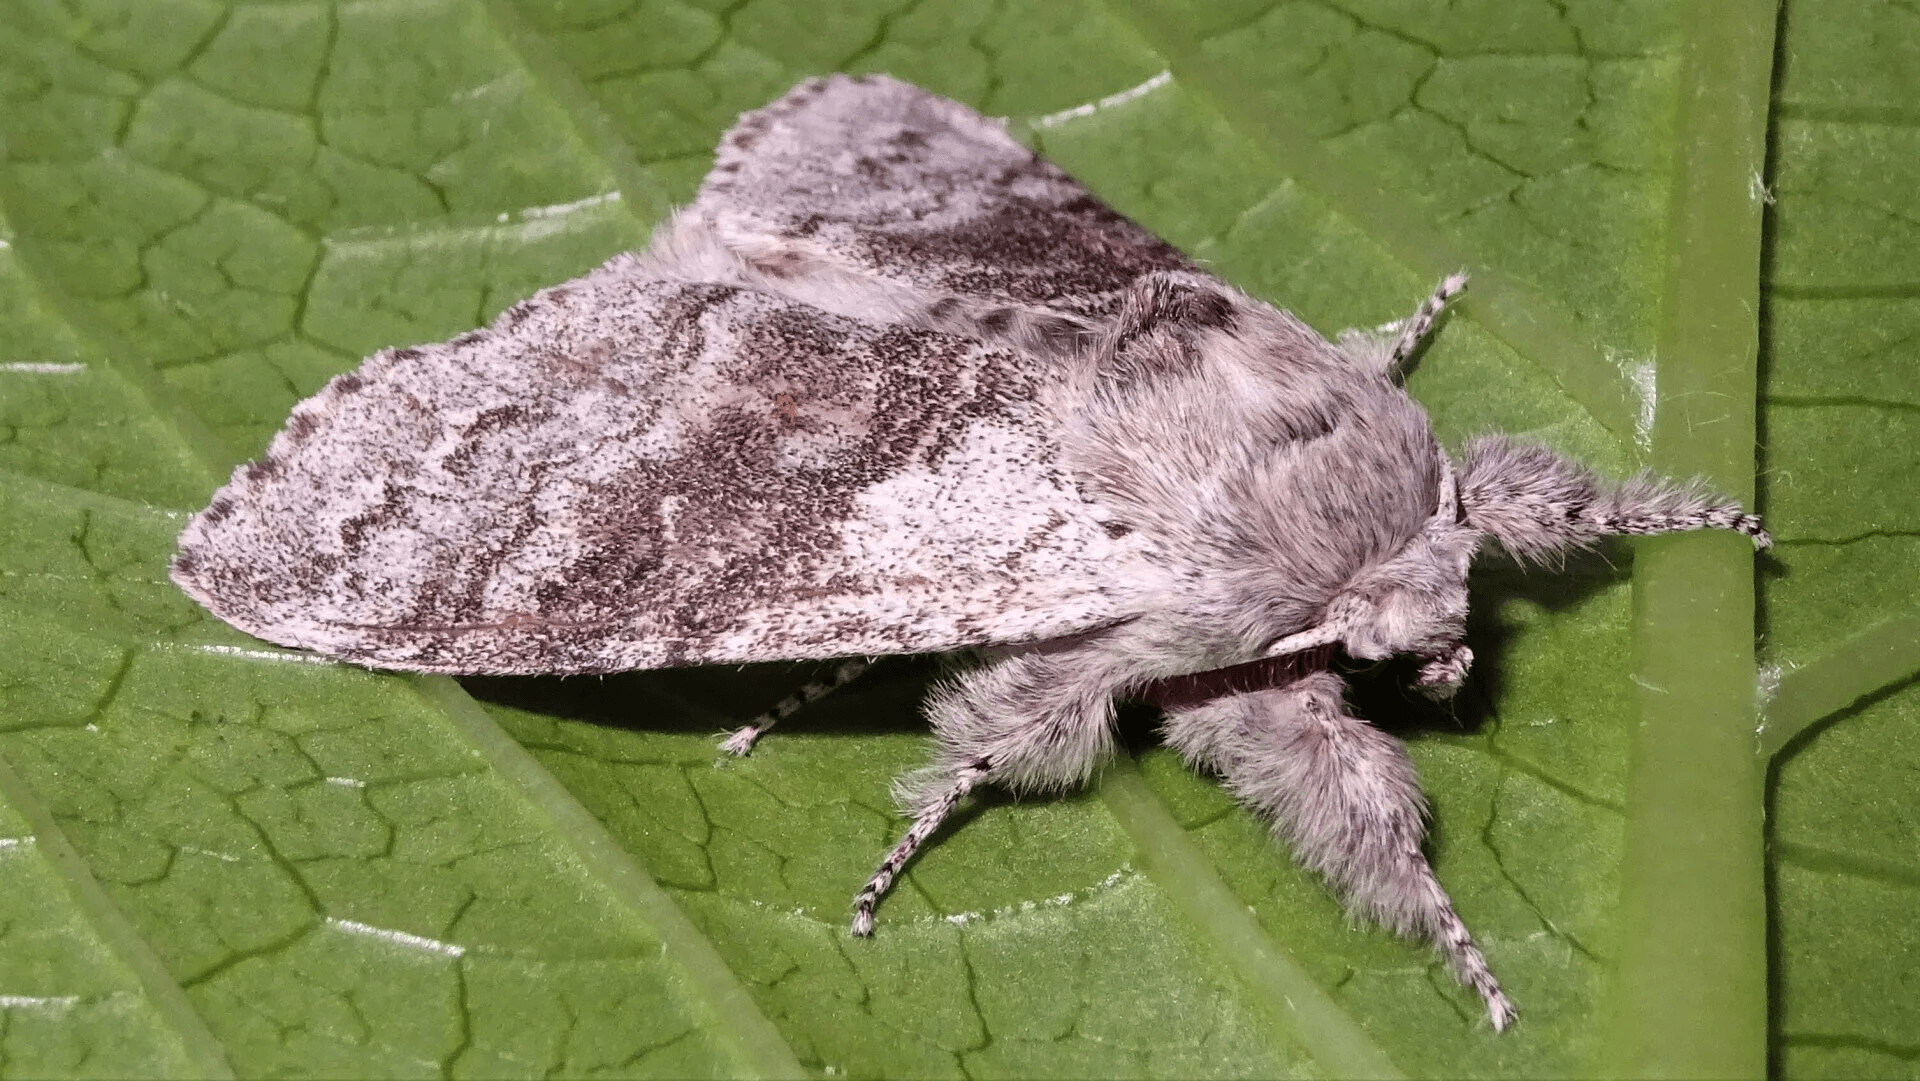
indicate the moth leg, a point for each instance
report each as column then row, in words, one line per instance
column 1345, row 796
column 1536, row 503
column 1415, row 328
column 742, row 739
column 923, row 827
column 1388, row 348
column 1040, row 720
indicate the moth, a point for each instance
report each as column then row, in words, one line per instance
column 893, row 384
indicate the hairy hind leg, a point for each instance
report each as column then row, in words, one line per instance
column 1345, row 796
column 1034, row 721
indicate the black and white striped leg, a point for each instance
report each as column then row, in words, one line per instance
column 742, row 739
column 1629, row 519
column 1415, row 328
column 923, row 827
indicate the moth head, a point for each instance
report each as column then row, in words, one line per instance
column 1412, row 602
column 1536, row 504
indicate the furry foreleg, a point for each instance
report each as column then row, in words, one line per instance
column 1345, row 796
column 1535, row 502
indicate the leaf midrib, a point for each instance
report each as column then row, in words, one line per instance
column 1690, row 996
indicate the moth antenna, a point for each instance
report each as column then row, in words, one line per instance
column 1320, row 634
column 923, row 827
column 743, row 738
column 1536, row 503
column 1447, row 511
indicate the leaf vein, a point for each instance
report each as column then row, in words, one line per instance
column 1328, row 1031
column 117, row 933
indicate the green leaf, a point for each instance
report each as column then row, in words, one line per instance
column 1677, row 801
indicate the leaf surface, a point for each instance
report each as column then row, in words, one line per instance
column 224, row 858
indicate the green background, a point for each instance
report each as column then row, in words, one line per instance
column 218, row 857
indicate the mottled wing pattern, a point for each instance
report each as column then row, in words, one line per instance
column 627, row 472
column 885, row 179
